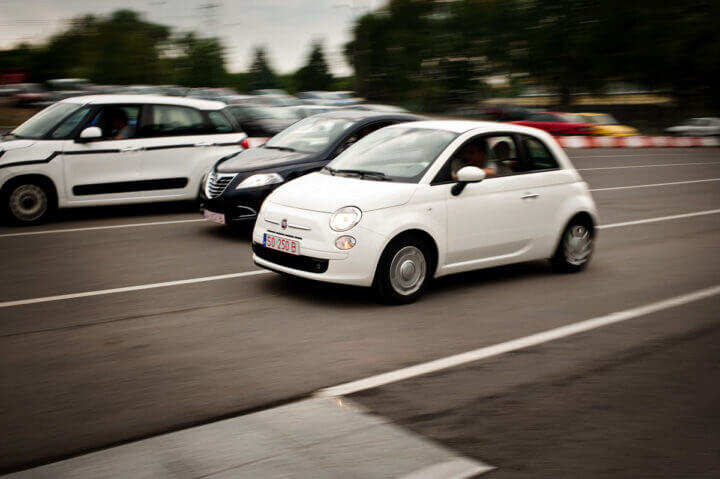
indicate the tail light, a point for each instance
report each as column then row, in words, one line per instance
column 245, row 143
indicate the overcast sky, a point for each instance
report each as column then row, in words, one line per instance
column 285, row 27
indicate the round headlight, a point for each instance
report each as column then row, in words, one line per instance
column 345, row 218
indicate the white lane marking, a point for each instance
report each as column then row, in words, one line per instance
column 45, row 299
column 648, row 166
column 125, row 289
column 649, row 154
column 659, row 218
column 652, row 185
column 514, row 345
column 93, row 228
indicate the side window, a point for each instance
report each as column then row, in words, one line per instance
column 502, row 153
column 538, row 155
column 490, row 152
column 117, row 122
column 171, row 120
column 362, row 132
column 68, row 125
column 220, row 124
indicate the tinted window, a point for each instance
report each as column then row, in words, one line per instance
column 538, row 155
column 219, row 122
column 41, row 123
column 170, row 120
column 117, row 122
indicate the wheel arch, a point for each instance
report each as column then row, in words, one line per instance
column 425, row 236
column 28, row 177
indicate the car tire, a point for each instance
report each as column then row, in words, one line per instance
column 404, row 270
column 28, row 202
column 575, row 247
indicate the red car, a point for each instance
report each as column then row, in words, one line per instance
column 557, row 123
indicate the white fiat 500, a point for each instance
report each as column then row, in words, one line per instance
column 112, row 149
column 426, row 199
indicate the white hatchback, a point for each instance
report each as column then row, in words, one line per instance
column 112, row 149
column 404, row 205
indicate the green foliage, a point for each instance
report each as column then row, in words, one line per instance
column 261, row 75
column 315, row 75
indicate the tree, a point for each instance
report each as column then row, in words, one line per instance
column 315, row 74
column 261, row 74
column 200, row 62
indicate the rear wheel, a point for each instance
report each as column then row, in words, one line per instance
column 403, row 271
column 28, row 202
column 575, row 248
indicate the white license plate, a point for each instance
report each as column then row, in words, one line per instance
column 218, row 218
column 286, row 245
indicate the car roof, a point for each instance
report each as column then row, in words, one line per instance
column 463, row 126
column 357, row 115
column 154, row 99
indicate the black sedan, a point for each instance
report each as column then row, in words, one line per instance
column 238, row 184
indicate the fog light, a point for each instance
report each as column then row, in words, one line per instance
column 345, row 242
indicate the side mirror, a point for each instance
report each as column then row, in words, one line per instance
column 467, row 174
column 89, row 134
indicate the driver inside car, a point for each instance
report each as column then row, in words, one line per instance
column 473, row 154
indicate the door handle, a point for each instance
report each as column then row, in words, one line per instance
column 529, row 196
column 204, row 143
column 131, row 148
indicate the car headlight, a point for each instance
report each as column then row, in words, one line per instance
column 345, row 218
column 261, row 179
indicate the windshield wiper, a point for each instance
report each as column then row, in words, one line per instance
column 366, row 174
column 283, row 148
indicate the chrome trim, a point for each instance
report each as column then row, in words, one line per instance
column 217, row 183
column 247, row 211
column 273, row 222
column 289, row 225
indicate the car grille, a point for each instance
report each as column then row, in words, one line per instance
column 216, row 183
column 303, row 263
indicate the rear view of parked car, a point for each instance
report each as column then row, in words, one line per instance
column 112, row 149
column 558, row 123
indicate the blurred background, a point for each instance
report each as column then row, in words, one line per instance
column 647, row 64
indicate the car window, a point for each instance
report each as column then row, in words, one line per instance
column 68, row 125
column 538, row 155
column 361, row 133
column 219, row 123
column 571, row 118
column 311, row 135
column 117, row 122
column 399, row 153
column 43, row 122
column 499, row 152
column 172, row 120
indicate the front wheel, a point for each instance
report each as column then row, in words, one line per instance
column 28, row 203
column 575, row 248
column 403, row 271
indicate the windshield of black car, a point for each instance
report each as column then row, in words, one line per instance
column 311, row 135
column 41, row 123
column 400, row 153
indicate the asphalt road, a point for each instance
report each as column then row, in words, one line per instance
column 86, row 372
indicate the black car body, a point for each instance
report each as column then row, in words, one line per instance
column 303, row 152
column 261, row 120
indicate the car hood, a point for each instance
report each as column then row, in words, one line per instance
column 259, row 158
column 15, row 144
column 327, row 193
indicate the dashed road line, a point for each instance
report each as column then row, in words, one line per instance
column 653, row 185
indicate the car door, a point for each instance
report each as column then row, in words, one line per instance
column 488, row 222
column 181, row 144
column 107, row 169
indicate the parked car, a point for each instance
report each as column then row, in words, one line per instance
column 112, row 149
column 62, row 88
column 239, row 183
column 557, row 123
column 378, row 107
column 387, row 213
column 276, row 100
column 696, row 127
column 260, row 120
column 605, row 124
column 332, row 98
column 304, row 111
column 29, row 94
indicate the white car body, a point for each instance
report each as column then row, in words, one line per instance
column 494, row 222
column 134, row 170
column 697, row 127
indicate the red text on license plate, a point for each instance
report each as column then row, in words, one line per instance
column 281, row 244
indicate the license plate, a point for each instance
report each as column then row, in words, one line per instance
column 279, row 243
column 218, row 218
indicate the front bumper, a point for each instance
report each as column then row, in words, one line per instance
column 240, row 206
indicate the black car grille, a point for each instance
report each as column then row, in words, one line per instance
column 302, row 263
column 216, row 183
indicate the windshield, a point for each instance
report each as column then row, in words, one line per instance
column 311, row 135
column 571, row 118
column 602, row 119
column 398, row 153
column 41, row 123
